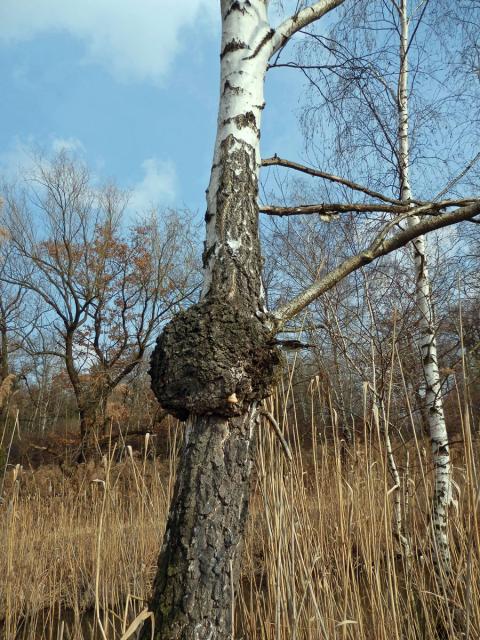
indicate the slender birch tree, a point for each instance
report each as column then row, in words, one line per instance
column 381, row 84
column 216, row 361
column 428, row 344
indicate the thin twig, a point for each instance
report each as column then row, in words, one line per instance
column 278, row 432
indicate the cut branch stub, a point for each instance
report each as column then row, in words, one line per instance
column 214, row 358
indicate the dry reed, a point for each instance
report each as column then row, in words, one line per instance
column 321, row 558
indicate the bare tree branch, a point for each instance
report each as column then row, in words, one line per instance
column 281, row 162
column 379, row 247
column 300, row 20
column 327, row 209
column 332, row 209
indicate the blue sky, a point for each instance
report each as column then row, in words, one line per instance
column 132, row 87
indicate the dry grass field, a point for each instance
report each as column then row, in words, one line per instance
column 320, row 562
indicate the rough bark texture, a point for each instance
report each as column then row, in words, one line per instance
column 200, row 557
column 215, row 358
column 232, row 256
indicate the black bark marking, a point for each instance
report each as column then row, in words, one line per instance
column 421, row 269
column 244, row 120
column 228, row 86
column 442, row 451
column 268, row 36
column 207, row 253
column 233, row 45
column 236, row 6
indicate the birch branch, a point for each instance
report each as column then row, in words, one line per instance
column 379, row 247
column 334, row 208
column 298, row 21
column 328, row 209
column 281, row 162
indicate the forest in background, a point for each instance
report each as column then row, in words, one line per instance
column 115, row 286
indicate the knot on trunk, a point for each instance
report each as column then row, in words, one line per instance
column 214, row 358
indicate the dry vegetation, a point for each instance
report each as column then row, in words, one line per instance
column 320, row 560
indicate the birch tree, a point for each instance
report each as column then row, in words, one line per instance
column 369, row 104
column 214, row 363
column 428, row 344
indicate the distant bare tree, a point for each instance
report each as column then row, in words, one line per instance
column 13, row 327
column 104, row 288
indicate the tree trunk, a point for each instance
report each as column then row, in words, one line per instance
column 200, row 559
column 428, row 346
column 4, row 365
column 216, row 361
column 434, row 411
column 91, row 407
column 6, row 381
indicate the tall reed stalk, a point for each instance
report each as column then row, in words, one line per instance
column 322, row 558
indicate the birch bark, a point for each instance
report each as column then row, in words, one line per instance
column 428, row 346
column 214, row 363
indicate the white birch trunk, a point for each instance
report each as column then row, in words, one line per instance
column 232, row 234
column 433, row 399
column 199, row 565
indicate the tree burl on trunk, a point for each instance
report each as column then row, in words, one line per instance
column 216, row 358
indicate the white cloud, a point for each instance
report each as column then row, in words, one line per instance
column 158, row 185
column 22, row 155
column 132, row 39
column 18, row 159
column 70, row 145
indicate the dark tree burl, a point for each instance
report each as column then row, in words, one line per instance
column 214, row 358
